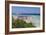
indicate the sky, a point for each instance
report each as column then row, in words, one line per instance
column 32, row 10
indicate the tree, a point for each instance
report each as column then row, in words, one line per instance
column 13, row 23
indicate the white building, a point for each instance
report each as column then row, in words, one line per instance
column 28, row 19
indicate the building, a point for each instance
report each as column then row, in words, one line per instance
column 28, row 19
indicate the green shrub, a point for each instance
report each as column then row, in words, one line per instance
column 21, row 24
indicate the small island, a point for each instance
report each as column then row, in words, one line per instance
column 20, row 23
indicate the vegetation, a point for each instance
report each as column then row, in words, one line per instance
column 21, row 24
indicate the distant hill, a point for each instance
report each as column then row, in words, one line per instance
column 24, row 14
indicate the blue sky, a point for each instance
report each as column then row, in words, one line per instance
column 33, row 10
